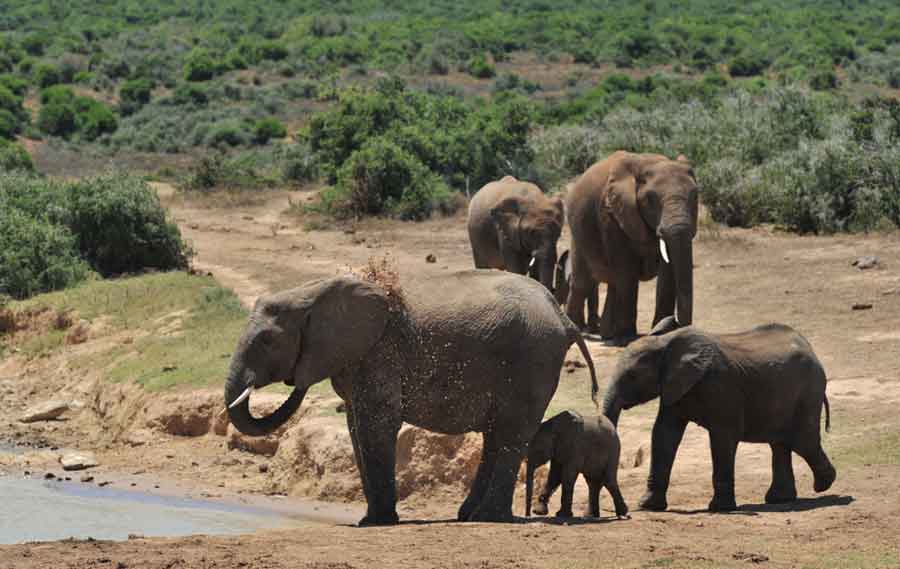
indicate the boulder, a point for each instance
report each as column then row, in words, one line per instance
column 77, row 460
column 46, row 411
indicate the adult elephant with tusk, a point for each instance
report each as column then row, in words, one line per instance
column 633, row 217
column 514, row 226
column 472, row 351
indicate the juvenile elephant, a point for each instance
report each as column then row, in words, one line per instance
column 469, row 351
column 575, row 445
column 765, row 385
column 627, row 213
column 513, row 226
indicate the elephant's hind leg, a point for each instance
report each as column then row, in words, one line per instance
column 594, row 487
column 511, row 433
column 482, row 477
column 810, row 448
column 612, row 486
column 783, row 488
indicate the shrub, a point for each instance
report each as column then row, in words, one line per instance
column 9, row 124
column 10, row 102
column 134, row 94
column 16, row 85
column 46, row 75
column 227, row 134
column 267, row 129
column 121, row 227
column 95, row 119
column 824, row 80
column 199, row 65
column 14, row 157
column 480, row 67
column 190, row 94
column 36, row 256
column 747, row 65
column 57, row 119
column 298, row 163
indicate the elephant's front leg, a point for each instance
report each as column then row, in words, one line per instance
column 482, row 478
column 784, row 487
column 554, row 479
column 569, row 476
column 723, row 445
column 376, row 422
column 667, row 433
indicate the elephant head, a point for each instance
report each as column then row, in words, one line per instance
column 530, row 229
column 667, row 364
column 556, row 439
column 302, row 336
column 655, row 202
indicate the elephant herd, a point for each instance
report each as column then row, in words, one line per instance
column 481, row 350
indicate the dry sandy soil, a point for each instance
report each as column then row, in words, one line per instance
column 743, row 278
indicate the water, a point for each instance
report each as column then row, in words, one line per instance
column 39, row 510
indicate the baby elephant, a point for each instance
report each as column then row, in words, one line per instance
column 575, row 445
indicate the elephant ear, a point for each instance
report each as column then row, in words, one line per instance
column 506, row 216
column 557, row 203
column 689, row 359
column 346, row 318
column 622, row 201
column 566, row 428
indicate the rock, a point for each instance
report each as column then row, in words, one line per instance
column 77, row 461
column 751, row 557
column 49, row 476
column 266, row 446
column 868, row 262
column 46, row 411
column 87, row 478
column 430, row 258
column 183, row 415
column 862, row 306
column 264, row 468
column 341, row 407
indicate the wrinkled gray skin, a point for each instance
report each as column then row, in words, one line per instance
column 514, row 226
column 476, row 350
column 574, row 444
column 619, row 211
column 765, row 385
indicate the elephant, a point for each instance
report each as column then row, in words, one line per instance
column 764, row 385
column 514, row 226
column 477, row 350
column 627, row 213
column 574, row 444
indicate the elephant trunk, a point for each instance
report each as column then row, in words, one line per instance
column 612, row 404
column 240, row 381
column 529, row 487
column 546, row 261
column 680, row 250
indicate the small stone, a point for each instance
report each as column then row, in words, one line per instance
column 264, row 468
column 46, row 411
column 638, row 457
column 867, row 262
column 862, row 306
column 103, row 483
column 167, row 369
column 430, row 258
column 341, row 407
column 77, row 461
column 87, row 478
column 49, row 476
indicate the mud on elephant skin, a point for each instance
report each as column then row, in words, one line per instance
column 575, row 445
column 477, row 350
column 633, row 217
column 765, row 385
column 514, row 226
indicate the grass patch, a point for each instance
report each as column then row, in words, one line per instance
column 868, row 559
column 881, row 448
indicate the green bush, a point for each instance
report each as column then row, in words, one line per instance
column 824, row 80
column 227, row 134
column 10, row 102
column 36, row 256
column 9, row 125
column 57, row 119
column 16, row 85
column 480, row 67
column 190, row 94
column 46, row 75
column 14, row 157
column 134, row 94
column 63, row 114
column 298, row 163
column 267, row 129
column 747, row 65
column 120, row 226
column 199, row 65
column 95, row 119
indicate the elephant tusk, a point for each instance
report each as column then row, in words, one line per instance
column 243, row 396
column 663, row 251
column 531, row 264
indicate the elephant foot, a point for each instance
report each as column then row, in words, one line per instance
column 565, row 514
column 824, row 480
column 381, row 520
column 722, row 504
column 780, row 495
column 622, row 513
column 653, row 502
column 491, row 515
column 540, row 509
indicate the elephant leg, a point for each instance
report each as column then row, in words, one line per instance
column 808, row 446
column 594, row 487
column 606, row 327
column 612, row 486
column 783, row 488
column 579, row 289
column 554, row 479
column 667, row 433
column 626, row 310
column 376, row 423
column 665, row 293
column 569, row 476
column 593, row 302
column 482, row 478
column 512, row 433
column 723, row 445
column 360, row 465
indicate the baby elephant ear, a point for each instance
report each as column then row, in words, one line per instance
column 689, row 359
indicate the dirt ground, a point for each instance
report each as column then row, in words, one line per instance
column 743, row 278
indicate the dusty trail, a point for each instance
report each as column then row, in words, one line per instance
column 743, row 278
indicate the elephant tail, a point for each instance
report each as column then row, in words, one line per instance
column 575, row 335
column 827, row 415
